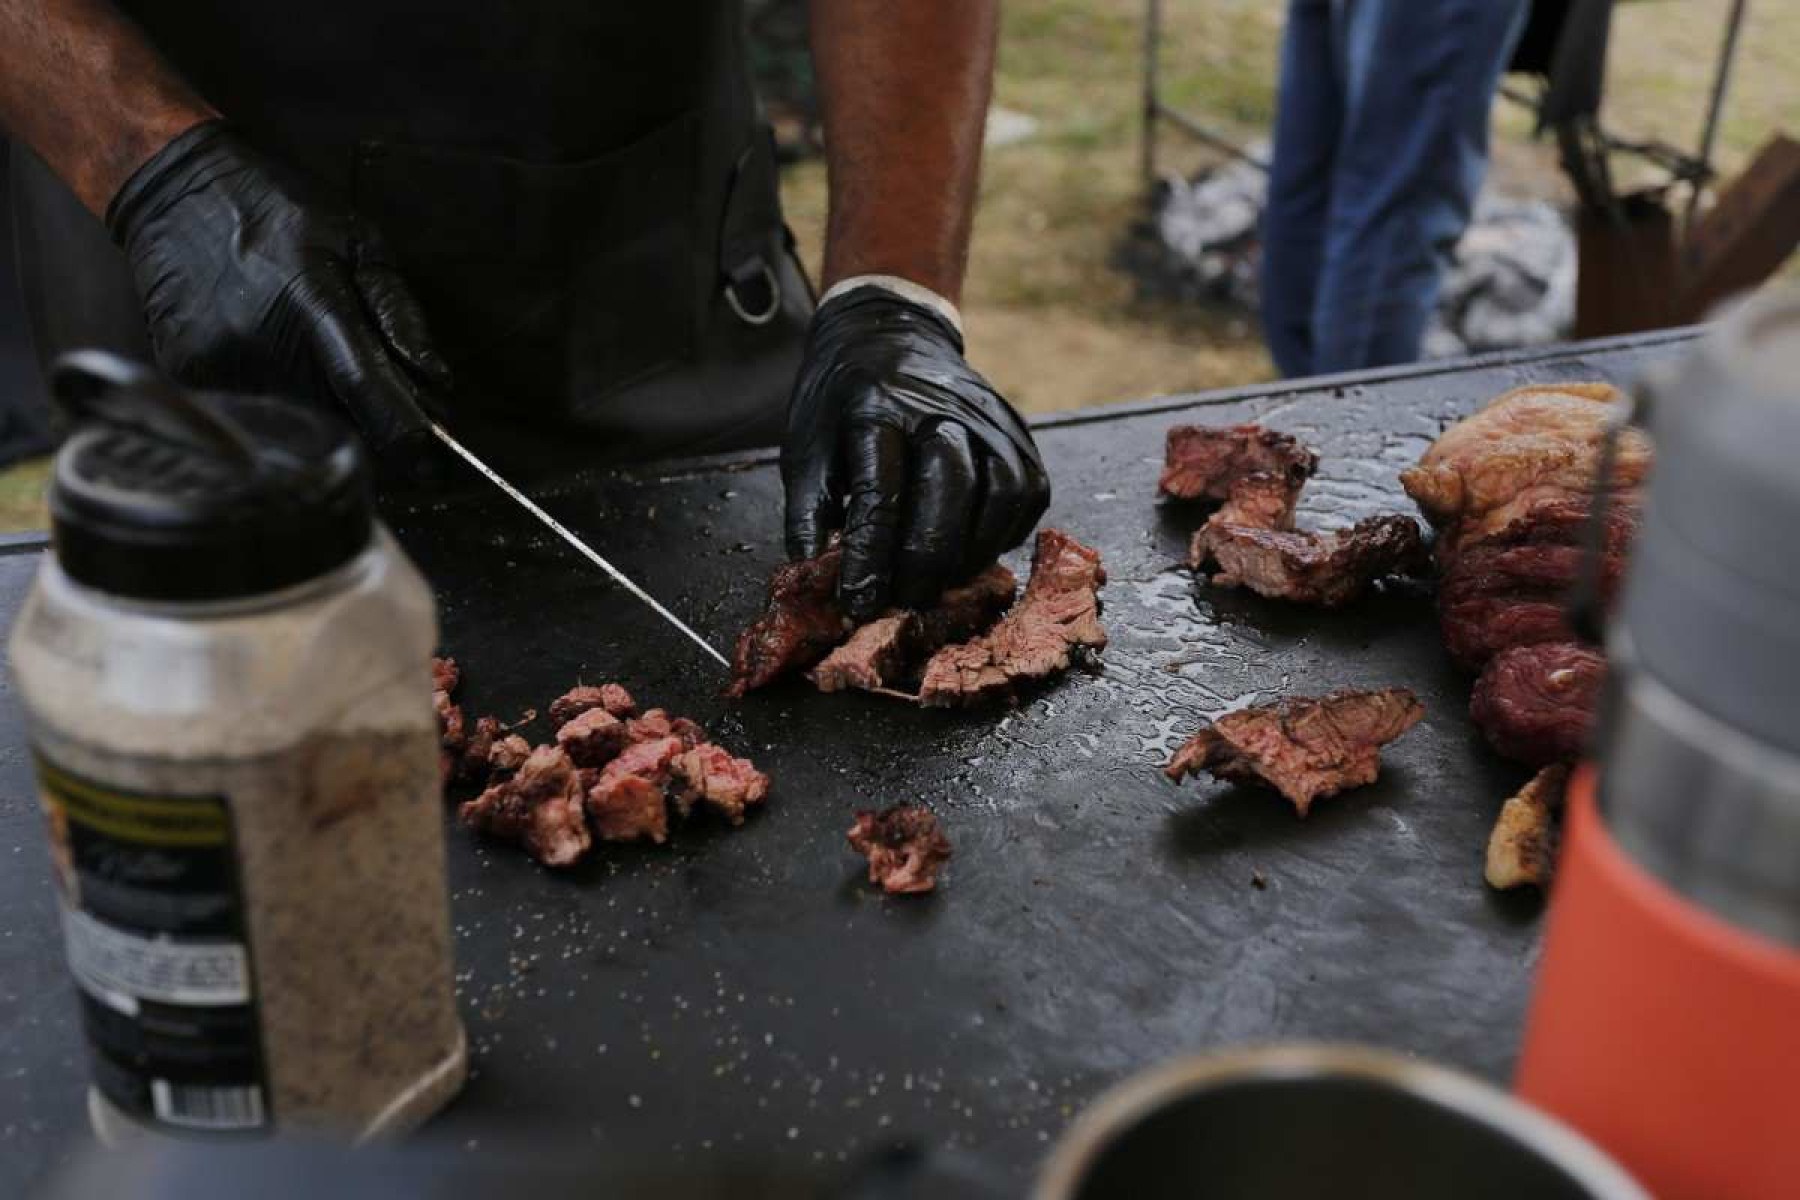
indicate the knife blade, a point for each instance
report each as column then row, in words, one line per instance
column 619, row 577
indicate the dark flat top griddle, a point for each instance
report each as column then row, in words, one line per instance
column 740, row 990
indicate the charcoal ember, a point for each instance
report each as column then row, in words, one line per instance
column 1521, row 851
column 883, row 652
column 1202, row 462
column 593, row 738
column 627, row 800
column 1529, row 448
column 799, row 626
column 508, row 754
column 1536, row 704
column 1058, row 616
column 609, row 698
column 723, row 782
column 657, row 724
column 905, row 846
column 1328, row 570
column 540, row 807
column 1303, row 748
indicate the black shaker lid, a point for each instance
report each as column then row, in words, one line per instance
column 165, row 494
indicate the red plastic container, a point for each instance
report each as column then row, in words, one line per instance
column 1668, row 1036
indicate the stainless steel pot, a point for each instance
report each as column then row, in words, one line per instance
column 1321, row 1121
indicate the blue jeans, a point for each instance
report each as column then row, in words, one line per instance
column 1380, row 147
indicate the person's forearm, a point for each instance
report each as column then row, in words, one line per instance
column 904, row 86
column 82, row 86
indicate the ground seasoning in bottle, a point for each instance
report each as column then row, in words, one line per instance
column 225, row 668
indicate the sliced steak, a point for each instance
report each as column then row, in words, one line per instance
column 904, row 845
column 799, row 626
column 1058, row 616
column 886, row 652
column 1324, row 569
column 1303, row 748
column 540, row 807
column 1202, row 462
column 1536, row 704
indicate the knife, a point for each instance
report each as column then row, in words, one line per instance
column 557, row 527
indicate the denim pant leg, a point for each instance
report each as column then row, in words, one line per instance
column 1308, row 115
column 1420, row 81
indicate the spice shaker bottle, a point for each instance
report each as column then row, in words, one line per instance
column 1666, row 1021
column 225, row 671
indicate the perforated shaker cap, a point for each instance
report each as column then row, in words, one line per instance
column 163, row 494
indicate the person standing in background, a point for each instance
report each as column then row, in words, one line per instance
column 1381, row 144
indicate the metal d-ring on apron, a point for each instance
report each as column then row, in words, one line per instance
column 769, row 283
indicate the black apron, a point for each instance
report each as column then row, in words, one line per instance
column 581, row 192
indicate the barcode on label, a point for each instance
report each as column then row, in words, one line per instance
column 202, row 1107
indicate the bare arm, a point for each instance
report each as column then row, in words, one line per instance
column 904, row 85
column 83, row 87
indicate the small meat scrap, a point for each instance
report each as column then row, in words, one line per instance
column 711, row 775
column 1328, row 570
column 473, row 764
column 885, row 651
column 540, row 806
column 1058, row 616
column 1303, row 748
column 657, row 724
column 1536, row 703
column 904, row 845
column 627, row 799
column 609, row 698
column 1202, row 462
column 800, row 625
column 593, row 738
column 1522, row 849
column 453, row 734
column 445, row 675
column 508, row 754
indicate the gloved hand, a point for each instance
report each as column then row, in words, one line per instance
column 251, row 280
column 893, row 437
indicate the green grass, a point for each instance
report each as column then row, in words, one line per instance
column 22, row 496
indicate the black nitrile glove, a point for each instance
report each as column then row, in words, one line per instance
column 893, row 437
column 253, row 281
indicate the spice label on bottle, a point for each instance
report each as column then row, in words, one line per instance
column 153, row 922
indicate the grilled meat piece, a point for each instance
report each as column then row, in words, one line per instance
column 1325, row 569
column 594, row 738
column 904, row 845
column 1536, row 704
column 608, row 697
column 540, row 806
column 1260, row 501
column 1531, row 447
column 882, row 653
column 657, row 724
column 626, row 800
column 1202, row 462
column 508, row 754
column 445, row 675
column 725, row 783
column 1303, row 748
column 1058, row 616
column 1522, row 848
column 800, row 625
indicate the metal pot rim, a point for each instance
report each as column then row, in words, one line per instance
column 1130, row 1102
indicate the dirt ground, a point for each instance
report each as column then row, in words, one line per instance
column 1057, row 325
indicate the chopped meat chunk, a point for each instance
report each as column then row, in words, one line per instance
column 1260, row 501
column 882, row 653
column 445, row 675
column 472, row 763
column 540, row 807
column 904, row 845
column 508, row 754
column 593, row 738
column 453, row 734
column 1324, row 569
column 627, row 799
column 657, row 724
column 1522, row 849
column 723, row 782
column 1531, row 447
column 1536, row 704
column 1201, row 462
column 1058, row 616
column 1303, row 748
column 609, row 698
column 800, row 625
